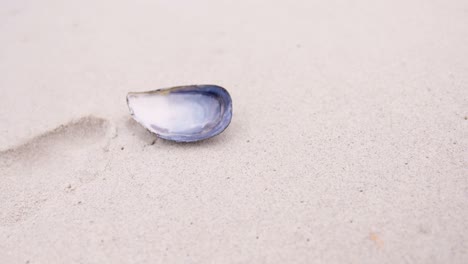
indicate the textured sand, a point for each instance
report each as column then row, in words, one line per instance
column 349, row 141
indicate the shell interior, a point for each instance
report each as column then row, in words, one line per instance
column 186, row 113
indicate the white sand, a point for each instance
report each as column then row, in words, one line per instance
column 348, row 142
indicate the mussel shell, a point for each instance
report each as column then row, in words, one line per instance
column 184, row 113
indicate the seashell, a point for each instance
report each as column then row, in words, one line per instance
column 184, row 113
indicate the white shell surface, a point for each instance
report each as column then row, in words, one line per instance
column 188, row 113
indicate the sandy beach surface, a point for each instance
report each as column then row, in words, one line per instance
column 348, row 144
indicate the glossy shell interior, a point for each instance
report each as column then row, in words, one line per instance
column 183, row 114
